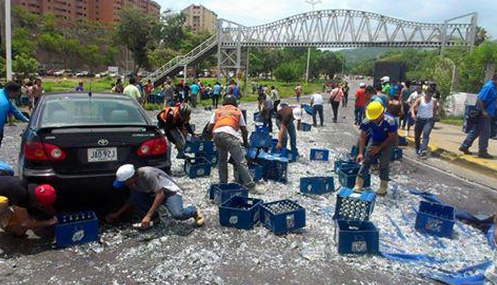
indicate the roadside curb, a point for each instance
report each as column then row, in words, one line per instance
column 487, row 167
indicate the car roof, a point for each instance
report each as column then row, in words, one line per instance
column 85, row 94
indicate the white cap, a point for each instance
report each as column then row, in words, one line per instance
column 124, row 173
column 385, row 79
column 362, row 85
column 297, row 113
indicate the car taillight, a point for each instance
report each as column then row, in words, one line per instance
column 152, row 147
column 43, row 152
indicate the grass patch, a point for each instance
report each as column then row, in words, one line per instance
column 453, row 120
column 69, row 84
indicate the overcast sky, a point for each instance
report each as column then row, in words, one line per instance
column 256, row 12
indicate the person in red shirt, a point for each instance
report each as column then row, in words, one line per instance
column 360, row 102
column 148, row 89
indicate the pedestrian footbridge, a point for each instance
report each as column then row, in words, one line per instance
column 323, row 29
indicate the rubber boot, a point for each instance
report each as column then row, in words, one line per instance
column 359, row 182
column 382, row 191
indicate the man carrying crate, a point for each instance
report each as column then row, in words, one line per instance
column 150, row 187
column 225, row 123
column 175, row 121
column 26, row 206
column 383, row 131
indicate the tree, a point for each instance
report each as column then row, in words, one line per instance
column 481, row 35
column 171, row 33
column 24, row 65
column 288, row 71
column 139, row 34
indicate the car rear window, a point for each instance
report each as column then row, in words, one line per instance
column 79, row 111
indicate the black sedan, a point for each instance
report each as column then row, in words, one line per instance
column 76, row 141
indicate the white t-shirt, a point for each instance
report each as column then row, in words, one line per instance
column 317, row 99
column 227, row 129
column 132, row 91
column 414, row 96
column 297, row 113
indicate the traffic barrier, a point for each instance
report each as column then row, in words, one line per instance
column 197, row 167
column 76, row 228
column 435, row 219
column 240, row 212
column 356, row 237
column 319, row 154
column 220, row 193
column 282, row 216
column 353, row 206
column 317, row 185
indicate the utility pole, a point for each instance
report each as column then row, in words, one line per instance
column 313, row 3
column 8, row 41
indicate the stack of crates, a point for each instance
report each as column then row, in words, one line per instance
column 435, row 219
column 199, row 148
column 354, row 233
column 76, row 228
column 273, row 168
column 282, row 216
column 317, row 185
column 240, row 212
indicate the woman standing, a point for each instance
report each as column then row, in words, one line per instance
column 336, row 96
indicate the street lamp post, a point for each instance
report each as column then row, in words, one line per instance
column 8, row 41
column 313, row 3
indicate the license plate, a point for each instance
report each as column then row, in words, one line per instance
column 102, row 154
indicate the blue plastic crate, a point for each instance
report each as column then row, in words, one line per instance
column 345, row 162
column 396, row 155
column 260, row 139
column 306, row 127
column 347, row 176
column 199, row 146
column 273, row 168
column 282, row 216
column 402, row 141
column 197, row 167
column 262, row 129
column 353, row 206
column 274, row 142
column 284, row 152
column 256, row 171
column 240, row 212
column 356, row 237
column 317, row 185
column 222, row 192
column 252, row 152
column 211, row 157
column 76, row 228
column 319, row 154
column 435, row 219
column 307, row 109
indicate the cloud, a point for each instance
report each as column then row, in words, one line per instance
column 256, row 12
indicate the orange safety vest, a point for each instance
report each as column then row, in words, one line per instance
column 228, row 116
column 176, row 116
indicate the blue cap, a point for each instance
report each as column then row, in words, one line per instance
column 118, row 184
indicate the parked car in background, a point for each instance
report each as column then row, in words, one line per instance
column 76, row 142
column 83, row 74
column 59, row 72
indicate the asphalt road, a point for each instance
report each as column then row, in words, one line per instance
column 177, row 253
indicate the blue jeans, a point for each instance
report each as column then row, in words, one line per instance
column 423, row 127
column 359, row 114
column 290, row 131
column 384, row 164
column 174, row 204
column 317, row 109
column 482, row 129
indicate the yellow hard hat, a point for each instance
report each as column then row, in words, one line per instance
column 374, row 110
column 4, row 202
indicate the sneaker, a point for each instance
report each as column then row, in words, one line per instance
column 465, row 150
column 423, row 154
column 485, row 155
column 199, row 219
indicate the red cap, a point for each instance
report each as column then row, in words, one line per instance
column 45, row 195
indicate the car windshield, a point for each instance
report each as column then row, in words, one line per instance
column 77, row 110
